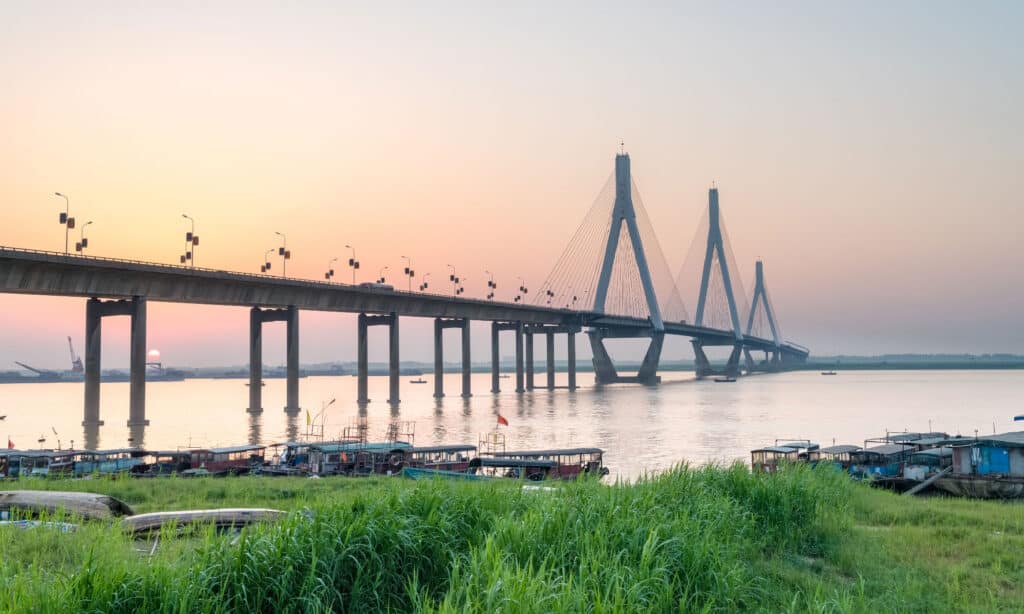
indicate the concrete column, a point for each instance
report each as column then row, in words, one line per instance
column 255, row 361
column 467, row 364
column 292, row 350
column 550, row 362
column 571, row 351
column 361, row 359
column 519, row 357
column 529, row 361
column 137, row 362
column 438, row 359
column 495, row 358
column 93, row 333
column 393, row 366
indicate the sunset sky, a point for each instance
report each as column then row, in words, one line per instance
column 871, row 154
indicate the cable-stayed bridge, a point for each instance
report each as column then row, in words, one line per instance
column 612, row 281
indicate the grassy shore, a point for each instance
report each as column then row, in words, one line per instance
column 710, row 539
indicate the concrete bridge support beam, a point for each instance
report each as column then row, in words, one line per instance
column 137, row 361
column 604, row 368
column 95, row 311
column 496, row 328
column 364, row 322
column 257, row 317
column 704, row 368
column 550, row 360
column 467, row 364
column 292, row 367
column 528, row 338
column 463, row 325
column 571, row 352
column 438, row 358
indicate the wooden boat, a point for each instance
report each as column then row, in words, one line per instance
column 220, row 518
column 838, row 455
column 517, row 468
column 37, row 463
column 770, row 458
column 828, row 372
column 356, row 458
column 84, row 504
column 986, row 467
column 230, row 460
column 440, row 458
column 418, row 380
column 163, row 463
column 879, row 462
column 724, row 380
column 561, row 463
column 108, row 461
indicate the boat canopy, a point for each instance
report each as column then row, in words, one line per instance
column 435, row 449
column 512, row 462
column 911, row 437
column 798, row 444
column 888, row 449
column 229, row 450
column 1013, row 439
column 840, row 449
column 776, row 449
column 333, row 448
column 555, row 452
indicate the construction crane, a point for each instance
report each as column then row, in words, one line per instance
column 76, row 361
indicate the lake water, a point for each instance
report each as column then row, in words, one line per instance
column 640, row 428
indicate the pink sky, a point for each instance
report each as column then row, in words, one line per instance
column 872, row 162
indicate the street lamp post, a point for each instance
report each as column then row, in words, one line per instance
column 330, row 269
column 82, row 241
column 424, row 284
column 452, row 277
column 65, row 219
column 491, row 286
column 352, row 262
column 522, row 290
column 191, row 241
column 380, row 280
column 408, row 271
column 284, row 253
column 266, row 260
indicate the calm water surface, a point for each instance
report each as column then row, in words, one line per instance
column 641, row 429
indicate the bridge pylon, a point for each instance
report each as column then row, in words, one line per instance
column 624, row 213
column 716, row 251
column 772, row 360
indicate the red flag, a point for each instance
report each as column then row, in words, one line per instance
column 502, row 420
column 10, row 444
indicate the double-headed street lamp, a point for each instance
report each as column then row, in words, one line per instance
column 191, row 241
column 522, row 291
column 408, row 271
column 284, row 253
column 266, row 260
column 491, row 286
column 82, row 241
column 452, row 277
column 330, row 269
column 424, row 285
column 380, row 279
column 66, row 220
column 352, row 262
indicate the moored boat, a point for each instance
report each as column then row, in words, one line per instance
column 231, row 460
column 558, row 463
column 986, row 467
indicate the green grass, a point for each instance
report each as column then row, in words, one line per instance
column 710, row 539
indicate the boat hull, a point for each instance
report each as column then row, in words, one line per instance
column 976, row 487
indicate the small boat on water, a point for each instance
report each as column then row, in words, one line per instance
column 536, row 465
column 828, row 372
column 725, row 379
column 418, row 380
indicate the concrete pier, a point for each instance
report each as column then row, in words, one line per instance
column 496, row 328
column 95, row 311
column 362, row 357
column 550, row 360
column 257, row 317
column 463, row 325
column 706, row 369
column 495, row 358
column 528, row 338
column 571, row 352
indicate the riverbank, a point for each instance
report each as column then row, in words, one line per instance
column 711, row 538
